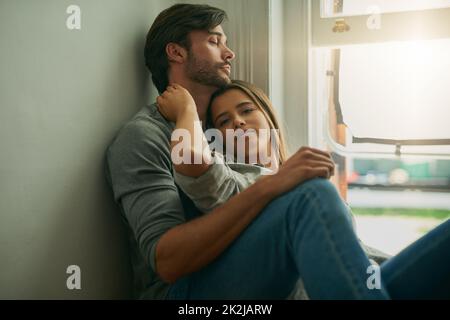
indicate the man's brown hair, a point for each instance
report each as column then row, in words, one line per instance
column 174, row 25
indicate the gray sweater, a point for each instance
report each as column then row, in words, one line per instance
column 219, row 183
column 139, row 170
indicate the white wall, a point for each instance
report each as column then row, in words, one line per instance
column 64, row 93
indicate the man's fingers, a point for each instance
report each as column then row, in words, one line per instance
column 316, row 160
column 317, row 151
column 328, row 164
column 322, row 172
column 322, row 152
column 323, row 164
column 320, row 157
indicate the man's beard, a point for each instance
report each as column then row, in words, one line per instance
column 206, row 73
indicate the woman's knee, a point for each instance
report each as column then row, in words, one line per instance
column 318, row 186
column 320, row 194
column 309, row 196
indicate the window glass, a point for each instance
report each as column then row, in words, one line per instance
column 396, row 90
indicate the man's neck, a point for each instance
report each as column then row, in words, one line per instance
column 201, row 94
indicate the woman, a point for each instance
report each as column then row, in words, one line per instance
column 243, row 106
column 248, row 103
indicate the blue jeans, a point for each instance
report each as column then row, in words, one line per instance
column 308, row 233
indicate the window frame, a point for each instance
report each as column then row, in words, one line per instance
column 323, row 38
column 396, row 26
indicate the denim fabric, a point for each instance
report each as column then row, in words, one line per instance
column 422, row 270
column 306, row 233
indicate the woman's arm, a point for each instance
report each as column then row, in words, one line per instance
column 219, row 183
column 190, row 151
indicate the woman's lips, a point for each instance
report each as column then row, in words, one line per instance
column 242, row 132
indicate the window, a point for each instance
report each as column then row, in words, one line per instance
column 393, row 98
column 337, row 8
column 379, row 100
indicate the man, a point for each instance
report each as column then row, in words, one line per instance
column 241, row 249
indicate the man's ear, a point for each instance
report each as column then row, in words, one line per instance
column 176, row 53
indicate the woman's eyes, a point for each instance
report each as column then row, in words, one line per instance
column 247, row 110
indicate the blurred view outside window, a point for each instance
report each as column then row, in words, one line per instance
column 397, row 201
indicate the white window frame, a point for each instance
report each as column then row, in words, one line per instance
column 323, row 36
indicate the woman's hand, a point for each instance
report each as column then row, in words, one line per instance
column 305, row 164
column 174, row 102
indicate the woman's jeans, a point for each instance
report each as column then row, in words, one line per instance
column 308, row 233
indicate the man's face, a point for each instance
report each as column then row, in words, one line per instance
column 209, row 58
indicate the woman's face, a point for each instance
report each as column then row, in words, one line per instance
column 235, row 110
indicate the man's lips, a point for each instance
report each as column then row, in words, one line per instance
column 227, row 68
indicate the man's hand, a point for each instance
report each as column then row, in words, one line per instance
column 305, row 164
column 175, row 101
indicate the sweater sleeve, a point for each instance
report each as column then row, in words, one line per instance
column 219, row 183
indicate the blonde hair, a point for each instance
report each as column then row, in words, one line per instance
column 263, row 103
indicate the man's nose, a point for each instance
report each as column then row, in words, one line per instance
column 229, row 55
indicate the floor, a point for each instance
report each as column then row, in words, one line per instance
column 392, row 234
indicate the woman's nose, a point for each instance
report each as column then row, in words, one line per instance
column 239, row 123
